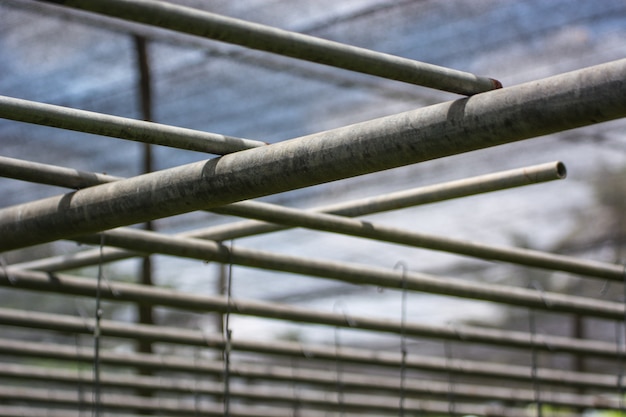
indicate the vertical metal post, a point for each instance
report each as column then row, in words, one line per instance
column 145, row 102
column 579, row 360
column 144, row 92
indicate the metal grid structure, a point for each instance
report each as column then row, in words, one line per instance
column 218, row 373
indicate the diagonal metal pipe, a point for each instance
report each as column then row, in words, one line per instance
column 299, row 218
column 365, row 229
column 272, row 213
column 72, row 178
column 61, row 176
column 566, row 101
column 295, row 45
column 121, row 127
column 37, row 172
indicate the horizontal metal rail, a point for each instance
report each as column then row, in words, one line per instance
column 566, row 101
column 121, row 127
column 115, row 402
column 42, row 411
column 295, row 45
column 370, row 205
column 150, row 242
column 352, row 403
column 376, row 385
column 38, row 408
column 313, row 354
column 366, row 229
column 204, row 303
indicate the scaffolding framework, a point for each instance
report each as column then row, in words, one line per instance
column 241, row 376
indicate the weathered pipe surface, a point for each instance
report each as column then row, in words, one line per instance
column 121, row 127
column 282, row 42
column 587, row 96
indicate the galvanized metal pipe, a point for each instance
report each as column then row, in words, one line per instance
column 352, row 403
column 116, row 402
column 150, row 242
column 376, row 231
column 480, row 184
column 272, row 213
column 34, row 411
column 366, row 229
column 295, row 45
column 305, row 397
column 298, row 218
column 392, row 201
column 72, row 178
column 43, row 411
column 51, row 174
column 377, row 386
column 166, row 297
column 566, row 101
column 76, row 260
column 121, row 127
column 308, row 398
column 348, row 355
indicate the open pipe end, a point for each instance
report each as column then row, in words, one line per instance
column 561, row 171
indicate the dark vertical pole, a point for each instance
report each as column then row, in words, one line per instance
column 619, row 249
column 144, row 89
column 221, row 290
column 144, row 80
column 579, row 360
column 145, row 102
column 222, row 327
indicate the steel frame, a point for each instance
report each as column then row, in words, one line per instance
column 102, row 204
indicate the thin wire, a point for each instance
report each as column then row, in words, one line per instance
column 620, row 342
column 196, row 393
column 114, row 292
column 294, row 388
column 81, row 389
column 619, row 348
column 82, row 313
column 338, row 364
column 533, row 330
column 447, row 345
column 339, row 372
column 536, row 386
column 403, row 349
column 605, row 288
column 228, row 334
column 96, row 337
